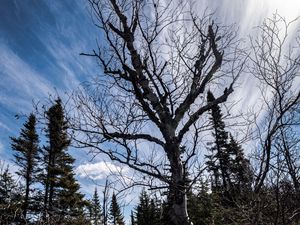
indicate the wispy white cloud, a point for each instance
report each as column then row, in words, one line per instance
column 20, row 82
column 247, row 15
column 3, row 125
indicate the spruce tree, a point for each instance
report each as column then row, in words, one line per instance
column 219, row 159
column 231, row 170
column 26, row 148
column 240, row 168
column 146, row 211
column 95, row 209
column 57, row 143
column 10, row 199
column 143, row 210
column 115, row 215
column 200, row 205
column 132, row 218
column 62, row 197
column 69, row 204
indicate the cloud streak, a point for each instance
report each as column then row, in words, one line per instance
column 20, row 81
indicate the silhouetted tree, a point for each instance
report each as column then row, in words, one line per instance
column 115, row 215
column 11, row 199
column 96, row 215
column 200, row 205
column 219, row 159
column 147, row 212
column 26, row 148
column 240, row 168
column 62, row 199
column 155, row 74
column 132, row 219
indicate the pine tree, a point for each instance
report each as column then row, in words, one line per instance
column 95, row 209
column 26, row 148
column 7, row 185
column 115, row 215
column 69, row 204
column 62, row 196
column 165, row 216
column 142, row 210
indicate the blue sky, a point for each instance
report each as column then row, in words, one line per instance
column 40, row 42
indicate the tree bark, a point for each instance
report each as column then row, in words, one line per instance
column 177, row 197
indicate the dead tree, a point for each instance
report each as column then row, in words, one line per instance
column 148, row 106
column 275, row 63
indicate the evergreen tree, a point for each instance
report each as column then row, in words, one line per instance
column 143, row 210
column 58, row 142
column 165, row 216
column 61, row 197
column 10, row 199
column 95, row 209
column 26, row 148
column 132, row 218
column 70, row 203
column 7, row 185
column 146, row 211
column 200, row 205
column 241, row 171
column 219, row 159
column 115, row 215
column 231, row 170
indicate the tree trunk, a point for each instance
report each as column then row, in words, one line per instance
column 25, row 206
column 177, row 191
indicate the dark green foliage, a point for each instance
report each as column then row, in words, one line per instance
column 218, row 160
column 241, row 172
column 70, row 203
column 200, row 205
column 54, row 153
column 26, row 148
column 231, row 172
column 132, row 218
column 10, row 199
column 147, row 211
column 95, row 209
column 277, row 204
column 115, row 215
column 52, row 167
column 165, row 217
column 62, row 200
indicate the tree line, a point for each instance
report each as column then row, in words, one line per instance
column 49, row 193
column 44, row 189
column 167, row 75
